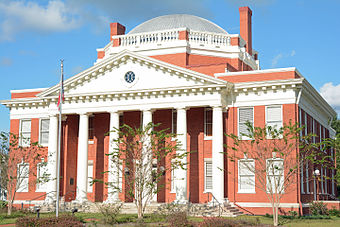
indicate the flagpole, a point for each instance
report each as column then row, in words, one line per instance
column 59, row 137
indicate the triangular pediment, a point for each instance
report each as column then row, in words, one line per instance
column 129, row 71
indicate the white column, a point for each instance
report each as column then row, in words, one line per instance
column 147, row 118
column 181, row 174
column 52, row 159
column 82, row 157
column 217, row 154
column 113, row 169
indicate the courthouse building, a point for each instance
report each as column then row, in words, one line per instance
column 194, row 78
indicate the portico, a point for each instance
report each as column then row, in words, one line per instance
column 135, row 97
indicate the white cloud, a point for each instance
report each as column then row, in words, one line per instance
column 280, row 56
column 276, row 59
column 6, row 61
column 292, row 53
column 29, row 16
column 332, row 94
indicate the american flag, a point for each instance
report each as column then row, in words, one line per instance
column 61, row 97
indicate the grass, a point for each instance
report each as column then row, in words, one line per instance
column 125, row 218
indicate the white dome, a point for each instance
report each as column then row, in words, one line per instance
column 177, row 21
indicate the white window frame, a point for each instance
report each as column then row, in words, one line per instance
column 274, row 106
column 333, row 183
column 206, row 137
column 322, row 181
column 269, row 175
column 208, row 161
column 41, row 131
column 307, row 176
column 238, row 121
column 41, row 173
column 174, row 122
column 240, row 190
column 90, row 178
column 120, row 176
column 21, row 138
column 325, row 176
column 20, row 186
column 172, row 180
column 302, row 179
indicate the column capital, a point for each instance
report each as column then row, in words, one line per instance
column 84, row 113
column 181, row 107
column 114, row 110
column 147, row 110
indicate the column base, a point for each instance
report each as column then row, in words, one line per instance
column 182, row 202
column 112, row 200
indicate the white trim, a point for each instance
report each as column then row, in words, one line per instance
column 28, row 90
column 283, row 205
column 261, row 71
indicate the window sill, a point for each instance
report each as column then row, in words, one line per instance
column 207, row 191
column 90, row 142
column 246, row 192
column 208, row 137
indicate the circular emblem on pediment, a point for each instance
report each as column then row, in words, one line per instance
column 130, row 77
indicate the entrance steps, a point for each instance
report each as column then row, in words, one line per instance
column 225, row 209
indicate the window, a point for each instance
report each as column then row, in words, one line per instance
column 307, row 176
column 302, row 179
column 22, row 177
column 174, row 122
column 275, row 175
column 208, row 184
column 246, row 176
column 90, row 176
column 91, row 127
column 41, row 177
column 120, row 176
column 44, row 131
column 322, row 180
column 245, row 115
column 326, row 186
column 333, row 183
column 172, row 186
column 25, row 133
column 207, row 123
column 274, row 117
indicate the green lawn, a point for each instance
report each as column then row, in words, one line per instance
column 96, row 217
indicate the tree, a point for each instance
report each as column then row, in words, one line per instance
column 3, row 162
column 138, row 155
column 336, row 126
column 273, row 155
column 20, row 159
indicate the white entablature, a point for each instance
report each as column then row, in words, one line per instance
column 128, row 81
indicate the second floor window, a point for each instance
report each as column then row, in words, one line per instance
column 25, row 133
column 245, row 115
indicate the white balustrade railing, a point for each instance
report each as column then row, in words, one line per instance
column 209, row 38
column 149, row 38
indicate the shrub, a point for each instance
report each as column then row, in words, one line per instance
column 63, row 221
column 3, row 204
column 316, row 217
column 334, row 212
column 293, row 213
column 178, row 219
column 318, row 208
column 110, row 212
column 223, row 222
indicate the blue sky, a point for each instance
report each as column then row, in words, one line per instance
column 35, row 35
